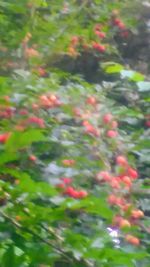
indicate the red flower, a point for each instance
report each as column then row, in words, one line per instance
column 35, row 120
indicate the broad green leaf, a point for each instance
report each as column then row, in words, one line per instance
column 7, row 157
column 115, row 68
column 21, row 140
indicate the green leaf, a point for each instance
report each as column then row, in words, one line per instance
column 9, row 257
column 92, row 205
column 20, row 140
column 132, row 75
column 8, row 157
column 33, row 188
column 115, row 68
column 137, row 77
column 142, row 144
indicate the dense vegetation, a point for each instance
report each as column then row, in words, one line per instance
column 74, row 135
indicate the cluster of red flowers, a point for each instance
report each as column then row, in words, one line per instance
column 49, row 101
column 6, row 112
column 78, row 43
column 69, row 190
column 121, row 185
column 107, row 120
column 73, row 47
column 98, row 32
column 119, row 24
column 122, row 180
column 37, row 121
column 97, row 45
column 90, row 129
column 46, row 102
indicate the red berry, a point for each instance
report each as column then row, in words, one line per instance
column 103, row 176
column 112, row 199
column 137, row 214
column 60, row 185
column 4, row 137
column 91, row 100
column 114, row 124
column 42, row 72
column 100, row 34
column 100, row 48
column 97, row 27
column 132, row 240
column 115, row 183
column 66, row 180
column 33, row 158
column 35, row 120
column 121, row 160
column 82, row 194
column 124, row 34
column 132, row 173
column 121, row 26
column 124, row 223
column 116, row 21
column 23, row 112
column 112, row 134
column 107, row 118
column 127, row 181
column 74, row 40
column 69, row 191
column 90, row 129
